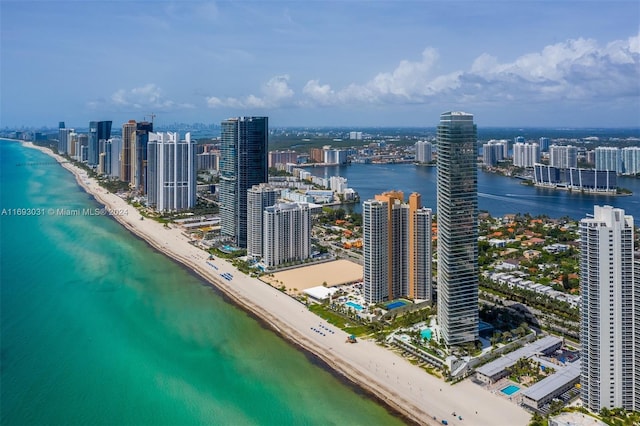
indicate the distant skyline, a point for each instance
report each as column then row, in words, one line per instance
column 333, row 63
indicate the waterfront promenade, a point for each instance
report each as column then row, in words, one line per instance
column 404, row 387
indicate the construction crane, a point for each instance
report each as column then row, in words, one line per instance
column 152, row 115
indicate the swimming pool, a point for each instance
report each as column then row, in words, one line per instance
column 510, row 390
column 426, row 333
column 396, row 304
column 354, row 306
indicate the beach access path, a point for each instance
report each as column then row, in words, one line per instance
column 401, row 385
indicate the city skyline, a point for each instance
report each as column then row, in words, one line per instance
column 574, row 64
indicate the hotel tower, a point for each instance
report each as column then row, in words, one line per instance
column 457, row 216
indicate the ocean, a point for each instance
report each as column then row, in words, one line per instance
column 98, row 328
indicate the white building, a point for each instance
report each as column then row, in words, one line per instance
column 171, row 171
column 526, row 154
column 287, row 233
column 424, row 152
column 609, row 327
column 375, row 233
column 337, row 184
column 563, row 157
column 608, row 158
column 630, row 158
column 259, row 197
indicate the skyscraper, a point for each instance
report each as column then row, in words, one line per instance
column 171, row 172
column 400, row 242
column 243, row 163
column 457, row 215
column 139, row 161
column 287, row 233
column 128, row 145
column 609, row 327
column 563, row 157
column 98, row 130
column 259, row 197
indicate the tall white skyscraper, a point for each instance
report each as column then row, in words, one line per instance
column 526, row 154
column 608, row 158
column 171, row 171
column 259, row 197
column 563, row 157
column 424, row 152
column 457, row 228
column 287, row 233
column 375, row 247
column 630, row 157
column 609, row 327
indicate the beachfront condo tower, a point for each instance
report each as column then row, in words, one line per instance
column 171, row 171
column 397, row 248
column 259, row 197
column 609, row 332
column 287, row 233
column 128, row 145
column 457, row 216
column 243, row 163
column 139, row 156
column 98, row 131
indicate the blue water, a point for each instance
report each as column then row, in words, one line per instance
column 396, row 304
column 426, row 333
column 510, row 390
column 498, row 195
column 354, row 306
column 99, row 329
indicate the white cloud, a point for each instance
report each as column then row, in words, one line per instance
column 276, row 92
column 147, row 97
column 578, row 69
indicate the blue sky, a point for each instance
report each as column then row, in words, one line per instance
column 321, row 63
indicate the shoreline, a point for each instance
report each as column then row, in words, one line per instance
column 414, row 395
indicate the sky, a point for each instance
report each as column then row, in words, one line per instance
column 321, row 63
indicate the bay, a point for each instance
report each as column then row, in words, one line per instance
column 97, row 328
column 499, row 195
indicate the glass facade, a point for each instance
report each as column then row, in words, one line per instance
column 457, row 216
column 243, row 163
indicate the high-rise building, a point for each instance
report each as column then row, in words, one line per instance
column 64, row 140
column 424, row 152
column 457, row 228
column 139, row 156
column 610, row 340
column 282, row 157
column 287, row 233
column 630, row 160
column 492, row 152
column 608, row 158
column 563, row 157
column 544, row 144
column 526, row 154
column 243, row 163
column 128, row 145
column 403, row 248
column 171, row 172
column 259, row 197
column 98, row 131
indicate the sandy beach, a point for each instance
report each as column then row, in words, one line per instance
column 404, row 387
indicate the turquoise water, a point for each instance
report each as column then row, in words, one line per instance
column 396, row 304
column 97, row 328
column 354, row 306
column 510, row 390
column 426, row 333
